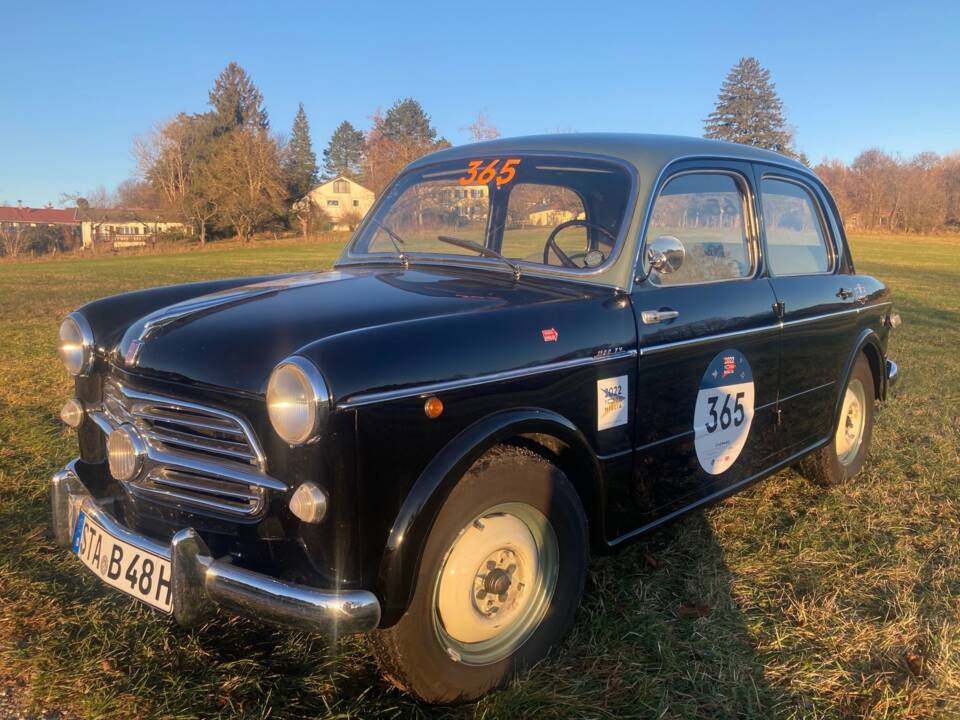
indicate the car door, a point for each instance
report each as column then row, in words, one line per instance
column 818, row 299
column 708, row 343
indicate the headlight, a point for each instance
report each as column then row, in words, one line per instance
column 297, row 400
column 76, row 344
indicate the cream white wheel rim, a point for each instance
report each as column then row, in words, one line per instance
column 495, row 584
column 849, row 434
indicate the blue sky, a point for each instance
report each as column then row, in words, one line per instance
column 79, row 81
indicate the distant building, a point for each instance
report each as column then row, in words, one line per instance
column 128, row 227
column 338, row 197
column 18, row 219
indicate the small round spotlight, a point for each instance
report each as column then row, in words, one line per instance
column 125, row 450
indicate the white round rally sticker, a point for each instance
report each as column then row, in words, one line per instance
column 724, row 411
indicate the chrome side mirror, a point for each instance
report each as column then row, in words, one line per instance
column 665, row 254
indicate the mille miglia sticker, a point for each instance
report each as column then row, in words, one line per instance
column 611, row 402
column 550, row 334
column 724, row 411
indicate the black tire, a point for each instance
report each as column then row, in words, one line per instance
column 411, row 653
column 824, row 466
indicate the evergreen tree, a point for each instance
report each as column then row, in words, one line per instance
column 748, row 110
column 299, row 162
column 236, row 101
column 407, row 122
column 345, row 151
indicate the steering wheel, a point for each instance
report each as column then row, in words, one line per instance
column 567, row 260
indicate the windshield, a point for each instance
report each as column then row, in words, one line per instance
column 510, row 210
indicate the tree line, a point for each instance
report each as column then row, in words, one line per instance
column 226, row 172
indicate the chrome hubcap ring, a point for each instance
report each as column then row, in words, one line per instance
column 849, row 435
column 495, row 584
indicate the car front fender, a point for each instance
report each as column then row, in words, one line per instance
column 404, row 547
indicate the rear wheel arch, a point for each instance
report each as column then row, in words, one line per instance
column 867, row 344
column 548, row 434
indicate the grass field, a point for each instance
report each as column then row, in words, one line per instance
column 784, row 601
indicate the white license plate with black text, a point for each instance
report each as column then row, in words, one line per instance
column 129, row 569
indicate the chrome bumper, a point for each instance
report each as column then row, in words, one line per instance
column 200, row 583
column 893, row 373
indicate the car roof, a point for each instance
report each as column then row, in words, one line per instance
column 648, row 153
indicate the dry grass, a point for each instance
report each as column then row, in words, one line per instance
column 784, row 601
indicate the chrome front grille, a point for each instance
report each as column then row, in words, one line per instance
column 197, row 456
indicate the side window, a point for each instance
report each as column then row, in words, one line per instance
column 706, row 213
column 533, row 212
column 796, row 241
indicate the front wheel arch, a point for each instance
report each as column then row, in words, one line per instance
column 545, row 432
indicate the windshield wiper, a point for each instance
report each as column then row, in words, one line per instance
column 395, row 240
column 482, row 249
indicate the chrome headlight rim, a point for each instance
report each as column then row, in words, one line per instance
column 319, row 399
column 86, row 344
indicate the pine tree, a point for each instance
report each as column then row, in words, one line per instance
column 344, row 153
column 236, row 101
column 299, row 162
column 748, row 110
column 407, row 122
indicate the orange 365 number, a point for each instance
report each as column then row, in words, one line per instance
column 480, row 174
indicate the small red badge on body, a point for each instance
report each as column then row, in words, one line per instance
column 131, row 355
column 550, row 335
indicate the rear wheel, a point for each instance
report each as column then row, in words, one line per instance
column 500, row 581
column 844, row 455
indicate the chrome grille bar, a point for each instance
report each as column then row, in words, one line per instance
column 197, row 456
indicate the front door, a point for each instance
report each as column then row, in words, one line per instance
column 709, row 344
column 819, row 301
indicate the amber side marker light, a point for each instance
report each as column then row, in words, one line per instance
column 433, row 407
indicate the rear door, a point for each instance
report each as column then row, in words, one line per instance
column 818, row 297
column 708, row 341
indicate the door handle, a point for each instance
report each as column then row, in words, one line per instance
column 652, row 317
column 844, row 294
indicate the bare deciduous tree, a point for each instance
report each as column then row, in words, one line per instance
column 248, row 186
column 482, row 129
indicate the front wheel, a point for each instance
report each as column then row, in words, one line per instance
column 843, row 457
column 500, row 581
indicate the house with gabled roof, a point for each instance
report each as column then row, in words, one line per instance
column 344, row 200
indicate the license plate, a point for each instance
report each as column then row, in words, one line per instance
column 129, row 569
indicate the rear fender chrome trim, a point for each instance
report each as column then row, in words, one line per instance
column 663, row 347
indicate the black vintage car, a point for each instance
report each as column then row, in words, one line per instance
column 530, row 349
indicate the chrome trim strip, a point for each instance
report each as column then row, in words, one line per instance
column 804, row 392
column 371, row 398
column 663, row 347
column 200, row 582
column 715, row 496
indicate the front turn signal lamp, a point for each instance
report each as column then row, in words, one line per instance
column 298, row 401
column 72, row 413
column 309, row 502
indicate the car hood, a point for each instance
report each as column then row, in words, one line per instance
column 233, row 339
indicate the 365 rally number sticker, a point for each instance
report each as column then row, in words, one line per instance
column 724, row 411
